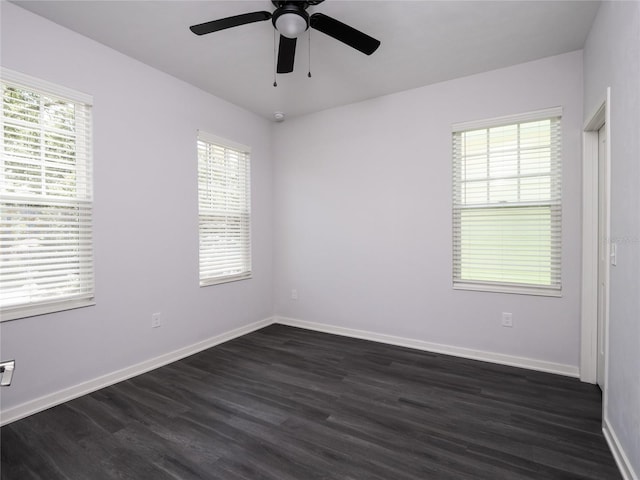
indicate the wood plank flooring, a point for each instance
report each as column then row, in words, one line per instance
column 290, row 404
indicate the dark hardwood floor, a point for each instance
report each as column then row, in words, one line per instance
column 289, row 404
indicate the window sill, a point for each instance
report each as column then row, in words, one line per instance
column 483, row 287
column 15, row 313
column 232, row 278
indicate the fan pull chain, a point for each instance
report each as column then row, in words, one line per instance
column 309, row 74
column 275, row 83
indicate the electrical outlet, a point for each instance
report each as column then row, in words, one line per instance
column 507, row 319
column 294, row 294
column 156, row 320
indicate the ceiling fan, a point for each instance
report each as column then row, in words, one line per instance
column 291, row 19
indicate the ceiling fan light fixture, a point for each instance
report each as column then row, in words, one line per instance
column 291, row 23
column 290, row 20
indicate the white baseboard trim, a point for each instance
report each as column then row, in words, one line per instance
column 39, row 404
column 511, row 360
column 624, row 465
column 53, row 399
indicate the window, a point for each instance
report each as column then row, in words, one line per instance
column 507, row 204
column 46, row 248
column 223, row 210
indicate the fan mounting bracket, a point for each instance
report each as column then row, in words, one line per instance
column 303, row 5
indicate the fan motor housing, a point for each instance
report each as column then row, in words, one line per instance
column 303, row 4
column 287, row 7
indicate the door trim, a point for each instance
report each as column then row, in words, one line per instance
column 589, row 304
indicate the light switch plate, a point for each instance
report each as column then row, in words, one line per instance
column 613, row 253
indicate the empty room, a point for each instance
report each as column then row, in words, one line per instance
column 338, row 240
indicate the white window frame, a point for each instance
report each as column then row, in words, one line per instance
column 555, row 202
column 231, row 262
column 82, row 296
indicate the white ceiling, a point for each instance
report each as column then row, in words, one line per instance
column 423, row 42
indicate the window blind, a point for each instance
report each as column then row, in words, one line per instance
column 46, row 243
column 507, row 204
column 224, row 210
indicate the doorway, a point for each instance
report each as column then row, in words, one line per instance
column 604, row 251
column 596, row 246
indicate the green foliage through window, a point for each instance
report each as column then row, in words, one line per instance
column 46, row 198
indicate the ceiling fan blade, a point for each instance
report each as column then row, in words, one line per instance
column 235, row 21
column 344, row 33
column 286, row 54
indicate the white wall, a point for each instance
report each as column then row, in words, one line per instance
column 363, row 225
column 363, row 216
column 612, row 59
column 146, row 228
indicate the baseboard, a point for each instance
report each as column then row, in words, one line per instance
column 624, row 465
column 511, row 360
column 51, row 400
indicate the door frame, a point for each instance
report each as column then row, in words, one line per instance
column 590, row 238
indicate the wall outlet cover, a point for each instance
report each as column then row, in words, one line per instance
column 507, row 319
